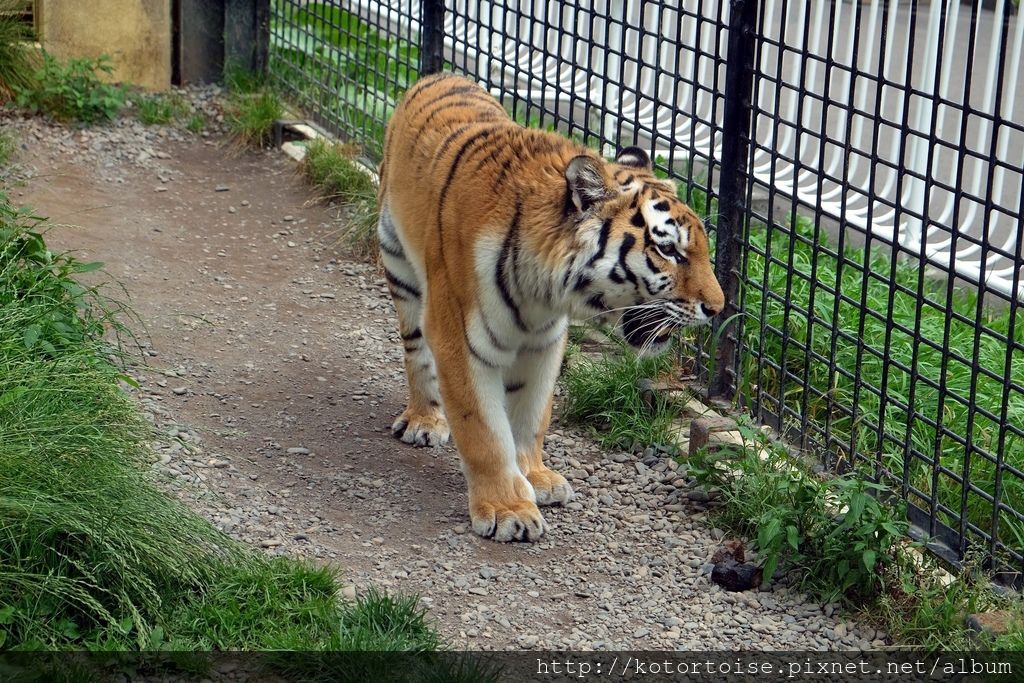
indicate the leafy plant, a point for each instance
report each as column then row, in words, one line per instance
column 18, row 58
column 841, row 534
column 72, row 90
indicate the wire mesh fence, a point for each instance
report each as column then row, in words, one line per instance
column 859, row 167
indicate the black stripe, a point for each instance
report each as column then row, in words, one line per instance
column 661, row 206
column 415, row 334
column 490, row 334
column 476, row 354
column 434, row 404
column 395, row 282
column 627, row 243
column 514, row 387
column 582, row 282
column 425, row 82
column 500, row 277
column 483, row 135
column 457, row 90
column 638, row 220
column 602, row 241
column 411, row 347
column 390, row 250
column 472, row 115
column 597, row 302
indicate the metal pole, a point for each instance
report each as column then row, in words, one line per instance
column 432, row 37
column 733, row 182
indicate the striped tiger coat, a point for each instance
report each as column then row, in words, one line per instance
column 492, row 237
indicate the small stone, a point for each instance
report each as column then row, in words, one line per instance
column 270, row 543
column 298, row 450
column 221, row 188
column 459, row 528
column 348, row 592
column 478, row 590
column 486, row 573
column 288, row 219
column 180, row 391
column 232, row 209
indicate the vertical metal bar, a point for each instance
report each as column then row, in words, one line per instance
column 739, row 83
column 432, row 37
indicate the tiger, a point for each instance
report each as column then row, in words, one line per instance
column 492, row 236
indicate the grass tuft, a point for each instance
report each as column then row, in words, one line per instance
column 250, row 117
column 336, row 174
column 603, row 394
column 18, row 58
column 161, row 108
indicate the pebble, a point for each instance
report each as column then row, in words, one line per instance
column 298, row 450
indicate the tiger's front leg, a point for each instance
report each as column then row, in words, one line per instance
column 502, row 504
column 530, row 386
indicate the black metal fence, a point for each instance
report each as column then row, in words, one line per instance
column 859, row 165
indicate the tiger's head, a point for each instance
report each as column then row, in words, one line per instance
column 644, row 262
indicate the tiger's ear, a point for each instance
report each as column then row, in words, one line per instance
column 635, row 157
column 586, row 182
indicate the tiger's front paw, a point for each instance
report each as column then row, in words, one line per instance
column 505, row 510
column 550, row 487
column 418, row 429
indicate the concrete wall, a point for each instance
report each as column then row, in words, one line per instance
column 136, row 34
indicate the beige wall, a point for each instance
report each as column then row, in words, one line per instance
column 135, row 33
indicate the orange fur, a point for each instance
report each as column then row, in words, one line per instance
column 492, row 235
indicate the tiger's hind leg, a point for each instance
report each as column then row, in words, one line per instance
column 422, row 423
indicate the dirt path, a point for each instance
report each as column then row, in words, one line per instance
column 274, row 371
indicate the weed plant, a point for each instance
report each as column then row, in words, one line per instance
column 73, row 91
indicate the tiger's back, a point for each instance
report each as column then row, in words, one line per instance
column 492, row 235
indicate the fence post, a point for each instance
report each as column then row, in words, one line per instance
column 432, row 37
column 732, row 185
column 247, row 34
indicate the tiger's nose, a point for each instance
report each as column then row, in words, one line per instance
column 710, row 311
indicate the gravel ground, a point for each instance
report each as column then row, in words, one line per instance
column 274, row 370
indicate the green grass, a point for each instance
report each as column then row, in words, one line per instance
column 603, row 394
column 196, row 122
column 18, row 59
column 805, row 262
column 72, row 90
column 365, row 72
column 337, row 175
column 8, row 147
column 250, row 117
column 161, row 108
column 92, row 554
